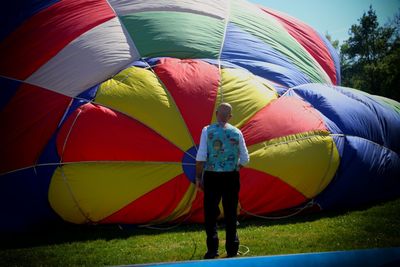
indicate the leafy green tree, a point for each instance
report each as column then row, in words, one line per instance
column 371, row 56
column 335, row 43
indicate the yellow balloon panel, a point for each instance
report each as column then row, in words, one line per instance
column 92, row 191
column 306, row 161
column 184, row 206
column 245, row 93
column 138, row 93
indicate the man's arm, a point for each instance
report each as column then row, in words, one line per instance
column 243, row 152
column 201, row 158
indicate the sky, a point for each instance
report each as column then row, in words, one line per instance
column 334, row 17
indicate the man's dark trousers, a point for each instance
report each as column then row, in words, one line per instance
column 225, row 185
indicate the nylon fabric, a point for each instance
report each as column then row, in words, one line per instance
column 388, row 102
column 214, row 8
column 335, row 57
column 27, row 124
column 182, row 210
column 158, row 34
column 306, row 161
column 196, row 210
column 128, row 92
column 386, row 115
column 156, row 206
column 77, row 191
column 191, row 81
column 8, row 89
column 260, row 58
column 365, row 168
column 258, row 23
column 283, row 116
column 47, row 33
column 245, row 94
column 310, row 40
column 81, row 64
column 353, row 113
column 101, row 134
column 24, row 9
column 262, row 193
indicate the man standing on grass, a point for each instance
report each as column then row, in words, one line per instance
column 222, row 152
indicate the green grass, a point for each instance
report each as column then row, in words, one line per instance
column 66, row 245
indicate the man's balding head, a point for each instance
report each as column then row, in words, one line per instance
column 224, row 112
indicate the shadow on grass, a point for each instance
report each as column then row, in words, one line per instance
column 61, row 233
column 67, row 233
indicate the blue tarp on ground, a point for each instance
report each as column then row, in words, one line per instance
column 364, row 257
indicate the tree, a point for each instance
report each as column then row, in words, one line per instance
column 395, row 23
column 370, row 57
column 334, row 43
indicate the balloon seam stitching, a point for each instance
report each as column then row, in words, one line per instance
column 139, row 121
column 66, row 112
column 328, row 167
column 124, row 30
column 177, row 107
column 365, row 139
column 221, row 91
column 330, row 134
column 67, row 137
column 130, row 116
column 156, row 162
column 312, row 134
column 58, row 126
column 65, row 180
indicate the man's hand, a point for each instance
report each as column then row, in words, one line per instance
column 199, row 184
column 199, row 175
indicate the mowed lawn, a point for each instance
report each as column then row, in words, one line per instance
column 65, row 245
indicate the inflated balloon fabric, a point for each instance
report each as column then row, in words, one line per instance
column 103, row 102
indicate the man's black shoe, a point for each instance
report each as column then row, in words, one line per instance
column 210, row 255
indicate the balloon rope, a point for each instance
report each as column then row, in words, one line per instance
column 95, row 161
column 157, row 162
column 147, row 162
column 308, row 205
column 69, row 132
column 65, row 180
column 64, row 176
column 66, row 111
column 58, row 126
column 158, row 226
